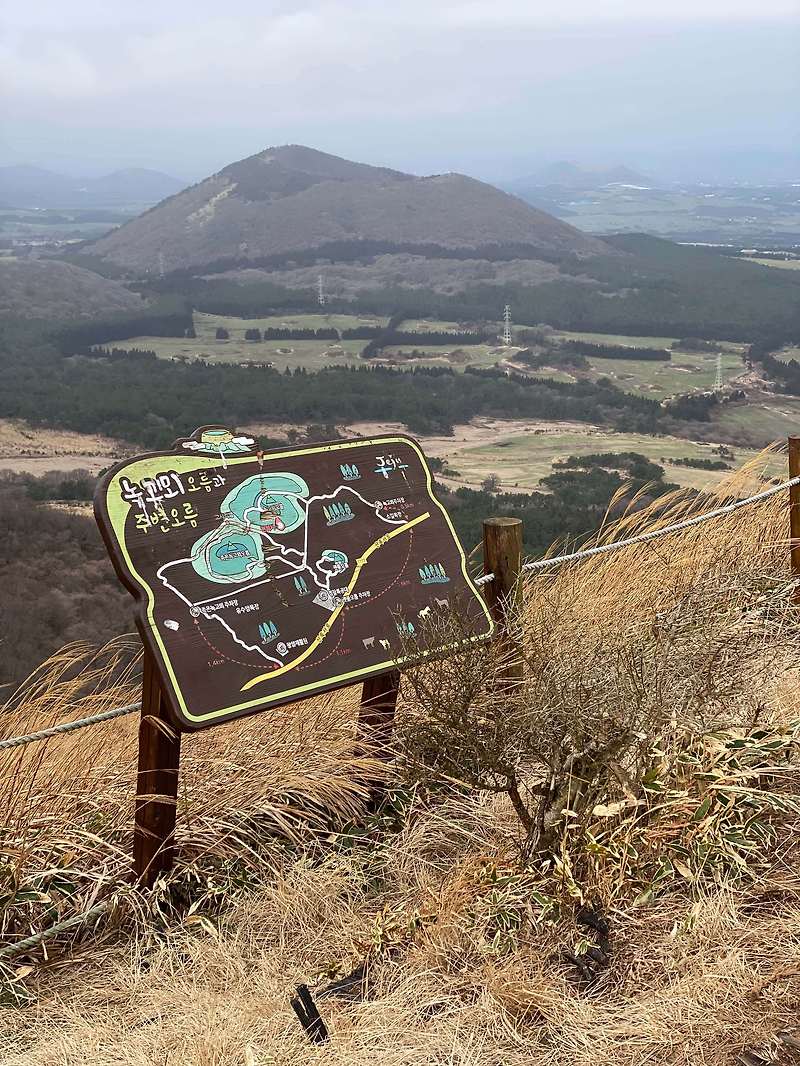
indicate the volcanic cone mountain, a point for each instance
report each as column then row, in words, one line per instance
column 296, row 199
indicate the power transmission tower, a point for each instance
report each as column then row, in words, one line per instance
column 507, row 337
column 718, row 382
column 321, row 297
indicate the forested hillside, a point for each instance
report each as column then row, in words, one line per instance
column 57, row 584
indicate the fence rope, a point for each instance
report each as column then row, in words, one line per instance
column 19, row 946
column 67, row 727
column 695, row 520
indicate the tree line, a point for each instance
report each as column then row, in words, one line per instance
column 615, row 351
column 645, row 287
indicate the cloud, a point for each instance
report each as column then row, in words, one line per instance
column 260, row 72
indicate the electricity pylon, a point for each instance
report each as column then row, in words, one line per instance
column 718, row 382
column 507, row 337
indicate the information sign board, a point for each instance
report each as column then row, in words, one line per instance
column 263, row 578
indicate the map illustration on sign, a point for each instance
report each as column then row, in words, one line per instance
column 262, row 578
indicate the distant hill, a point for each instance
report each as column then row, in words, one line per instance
column 293, row 199
column 571, row 176
column 46, row 289
column 26, row 186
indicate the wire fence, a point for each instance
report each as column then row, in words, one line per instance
column 68, row 727
column 653, row 534
column 536, row 564
column 8, row 951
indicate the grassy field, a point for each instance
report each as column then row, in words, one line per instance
column 636, row 342
column 773, row 418
column 781, row 264
column 521, row 460
column 310, row 354
column 787, row 354
column 685, row 372
column 411, row 325
column 470, row 355
column 614, row 338
column 237, row 326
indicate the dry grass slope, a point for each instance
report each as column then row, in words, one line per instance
column 693, row 863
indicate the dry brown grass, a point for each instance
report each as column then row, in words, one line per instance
column 702, row 969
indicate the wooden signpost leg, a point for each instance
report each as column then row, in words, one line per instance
column 794, row 512
column 157, row 782
column 502, row 557
column 376, row 721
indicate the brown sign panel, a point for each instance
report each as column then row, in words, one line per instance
column 262, row 578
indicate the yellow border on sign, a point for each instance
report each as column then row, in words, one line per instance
column 117, row 510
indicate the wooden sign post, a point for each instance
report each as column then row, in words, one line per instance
column 263, row 579
column 156, row 782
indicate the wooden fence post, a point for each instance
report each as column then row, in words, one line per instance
column 502, row 557
column 157, row 782
column 794, row 512
column 376, row 721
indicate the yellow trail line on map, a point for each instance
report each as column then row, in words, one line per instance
column 360, row 561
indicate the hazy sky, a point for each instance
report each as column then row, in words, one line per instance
column 487, row 86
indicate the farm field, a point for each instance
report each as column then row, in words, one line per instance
column 459, row 357
column 762, row 420
column 686, row 372
column 411, row 325
column 310, row 355
column 787, row 354
column 781, row 264
column 613, row 338
column 521, row 460
column 635, row 342
column 237, row 326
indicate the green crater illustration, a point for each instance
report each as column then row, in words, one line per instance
column 263, row 504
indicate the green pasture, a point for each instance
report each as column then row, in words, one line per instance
column 311, row 355
column 685, row 372
column 204, row 323
column 614, row 338
column 522, row 460
column 451, row 355
column 781, row 264
column 411, row 325
column 787, row 354
column 763, row 420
